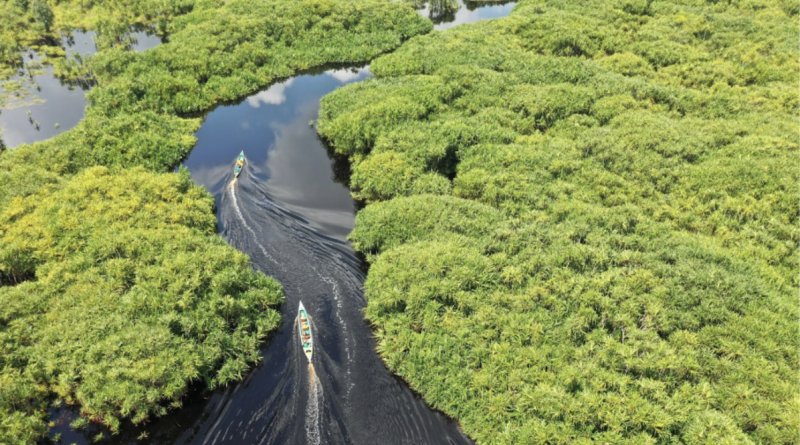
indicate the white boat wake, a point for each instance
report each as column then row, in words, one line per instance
column 315, row 400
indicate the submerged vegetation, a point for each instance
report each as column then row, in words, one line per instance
column 114, row 292
column 583, row 219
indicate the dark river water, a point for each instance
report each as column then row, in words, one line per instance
column 290, row 210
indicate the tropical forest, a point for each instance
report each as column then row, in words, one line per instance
column 399, row 222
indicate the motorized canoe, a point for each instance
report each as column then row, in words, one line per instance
column 304, row 325
column 239, row 164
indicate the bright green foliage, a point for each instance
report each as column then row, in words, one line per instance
column 134, row 298
column 612, row 254
column 136, row 115
column 225, row 53
column 148, row 139
column 23, row 402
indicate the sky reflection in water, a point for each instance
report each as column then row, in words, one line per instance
column 469, row 12
column 289, row 164
column 272, row 127
column 56, row 103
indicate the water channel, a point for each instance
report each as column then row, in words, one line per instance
column 291, row 210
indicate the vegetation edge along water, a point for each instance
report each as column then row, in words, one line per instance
column 115, row 291
column 582, row 220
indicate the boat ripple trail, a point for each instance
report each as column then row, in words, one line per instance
column 315, row 400
column 347, row 397
column 232, row 190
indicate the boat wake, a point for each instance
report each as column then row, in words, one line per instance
column 315, row 400
column 346, row 396
column 235, row 205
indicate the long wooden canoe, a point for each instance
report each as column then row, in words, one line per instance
column 239, row 164
column 304, row 325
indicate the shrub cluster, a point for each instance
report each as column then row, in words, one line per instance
column 134, row 297
column 137, row 116
column 114, row 292
column 582, row 220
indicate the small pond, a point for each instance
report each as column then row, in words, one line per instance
column 53, row 104
column 466, row 12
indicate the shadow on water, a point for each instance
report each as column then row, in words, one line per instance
column 54, row 104
column 290, row 209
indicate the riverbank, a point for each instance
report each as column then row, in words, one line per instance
column 135, row 128
column 582, row 220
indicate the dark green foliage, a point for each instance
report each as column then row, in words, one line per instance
column 134, row 298
column 43, row 14
column 616, row 257
column 21, row 4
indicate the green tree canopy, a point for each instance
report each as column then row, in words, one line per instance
column 115, row 293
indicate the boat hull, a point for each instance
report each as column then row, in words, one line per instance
column 304, row 328
column 239, row 165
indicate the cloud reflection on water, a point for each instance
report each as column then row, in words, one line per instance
column 346, row 75
column 275, row 95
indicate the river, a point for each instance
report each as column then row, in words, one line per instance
column 290, row 209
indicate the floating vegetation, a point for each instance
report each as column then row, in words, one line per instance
column 582, row 220
column 75, row 71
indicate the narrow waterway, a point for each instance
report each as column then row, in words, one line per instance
column 288, row 212
column 290, row 209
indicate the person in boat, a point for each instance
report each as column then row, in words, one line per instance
column 239, row 162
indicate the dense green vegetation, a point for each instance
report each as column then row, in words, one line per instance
column 582, row 220
column 137, row 113
column 134, row 298
column 115, row 294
